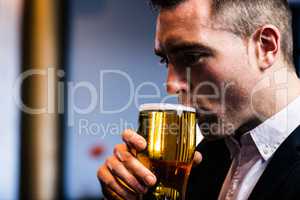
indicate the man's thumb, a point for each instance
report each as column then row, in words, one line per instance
column 197, row 158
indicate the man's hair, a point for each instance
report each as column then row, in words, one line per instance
column 244, row 17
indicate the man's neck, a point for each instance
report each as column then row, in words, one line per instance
column 292, row 87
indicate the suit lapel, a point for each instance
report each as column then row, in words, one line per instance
column 278, row 168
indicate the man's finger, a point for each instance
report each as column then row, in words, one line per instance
column 134, row 140
column 112, row 185
column 135, row 166
column 197, row 158
column 118, row 170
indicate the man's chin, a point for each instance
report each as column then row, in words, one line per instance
column 215, row 131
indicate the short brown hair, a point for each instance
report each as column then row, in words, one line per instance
column 243, row 17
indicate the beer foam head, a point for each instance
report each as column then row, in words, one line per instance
column 165, row 106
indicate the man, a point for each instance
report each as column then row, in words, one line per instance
column 233, row 61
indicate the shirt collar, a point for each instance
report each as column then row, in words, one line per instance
column 269, row 135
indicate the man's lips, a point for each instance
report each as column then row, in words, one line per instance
column 203, row 110
column 203, row 114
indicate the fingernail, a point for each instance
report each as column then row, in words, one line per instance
column 109, row 167
column 119, row 156
column 150, row 180
column 142, row 143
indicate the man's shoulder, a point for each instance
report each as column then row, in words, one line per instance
column 282, row 175
column 289, row 188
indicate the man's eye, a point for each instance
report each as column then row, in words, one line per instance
column 191, row 59
column 164, row 61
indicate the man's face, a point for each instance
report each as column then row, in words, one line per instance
column 210, row 68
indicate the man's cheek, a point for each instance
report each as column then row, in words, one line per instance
column 235, row 97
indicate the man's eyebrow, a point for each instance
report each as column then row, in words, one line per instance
column 175, row 47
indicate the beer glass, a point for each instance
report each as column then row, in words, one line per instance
column 170, row 132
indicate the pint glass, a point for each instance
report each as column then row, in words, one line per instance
column 170, row 132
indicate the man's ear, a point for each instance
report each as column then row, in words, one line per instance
column 267, row 40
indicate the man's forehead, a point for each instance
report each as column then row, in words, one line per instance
column 186, row 10
column 183, row 21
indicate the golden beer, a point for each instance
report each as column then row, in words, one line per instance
column 170, row 132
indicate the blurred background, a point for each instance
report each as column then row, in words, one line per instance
column 96, row 56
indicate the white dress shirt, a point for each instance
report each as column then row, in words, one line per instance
column 254, row 151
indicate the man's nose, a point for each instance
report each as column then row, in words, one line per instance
column 176, row 82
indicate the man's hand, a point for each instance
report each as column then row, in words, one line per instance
column 122, row 166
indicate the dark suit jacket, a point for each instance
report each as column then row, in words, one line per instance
column 280, row 180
